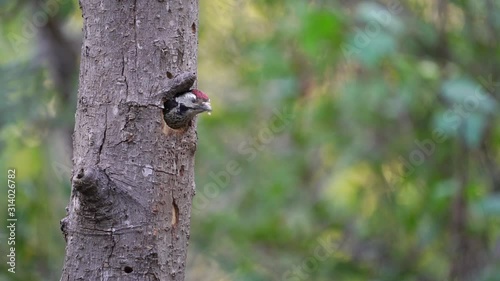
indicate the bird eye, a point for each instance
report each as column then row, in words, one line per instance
column 193, row 100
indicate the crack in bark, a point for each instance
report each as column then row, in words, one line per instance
column 112, row 248
column 103, row 138
column 124, row 77
column 104, row 232
column 175, row 221
column 123, row 65
column 120, row 142
column 153, row 169
column 135, row 33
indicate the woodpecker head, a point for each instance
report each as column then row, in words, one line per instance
column 179, row 111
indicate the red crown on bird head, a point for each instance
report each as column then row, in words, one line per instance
column 199, row 94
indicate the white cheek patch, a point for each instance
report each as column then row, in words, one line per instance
column 186, row 99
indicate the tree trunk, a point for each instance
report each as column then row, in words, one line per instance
column 133, row 177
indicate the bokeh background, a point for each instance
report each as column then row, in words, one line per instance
column 350, row 140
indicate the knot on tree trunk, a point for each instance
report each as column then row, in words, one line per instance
column 100, row 199
column 90, row 182
column 93, row 190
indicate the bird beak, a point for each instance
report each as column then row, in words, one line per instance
column 206, row 106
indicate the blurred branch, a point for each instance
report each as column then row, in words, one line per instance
column 490, row 165
column 59, row 52
column 492, row 15
column 467, row 257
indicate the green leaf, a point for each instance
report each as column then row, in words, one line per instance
column 322, row 31
column 488, row 206
column 370, row 50
column 469, row 95
column 375, row 16
column 445, row 190
column 473, row 129
column 469, row 108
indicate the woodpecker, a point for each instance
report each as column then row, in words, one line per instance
column 179, row 111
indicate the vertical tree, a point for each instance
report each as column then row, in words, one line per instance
column 133, row 179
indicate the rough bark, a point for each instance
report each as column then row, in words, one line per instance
column 133, row 179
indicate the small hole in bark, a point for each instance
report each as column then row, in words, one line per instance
column 80, row 174
column 193, row 27
column 181, row 171
column 169, row 75
column 127, row 269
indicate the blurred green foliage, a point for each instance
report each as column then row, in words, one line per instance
column 350, row 140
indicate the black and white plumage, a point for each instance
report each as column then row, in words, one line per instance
column 180, row 110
